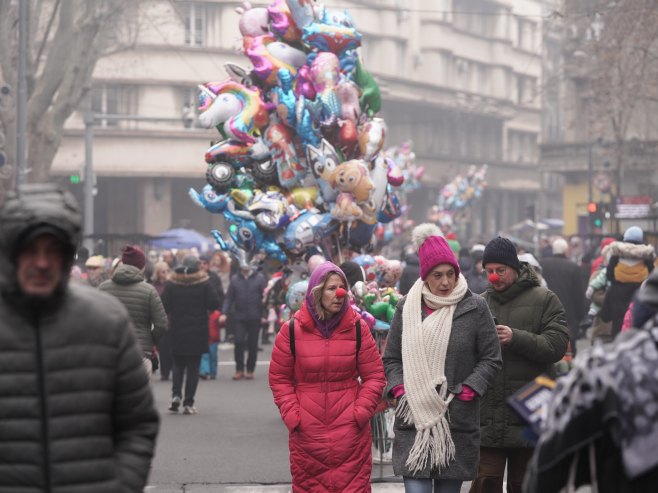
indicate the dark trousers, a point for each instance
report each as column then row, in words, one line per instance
column 246, row 338
column 492, row 469
column 185, row 366
column 164, row 352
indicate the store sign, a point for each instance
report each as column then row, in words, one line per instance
column 633, row 207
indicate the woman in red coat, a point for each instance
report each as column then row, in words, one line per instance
column 326, row 392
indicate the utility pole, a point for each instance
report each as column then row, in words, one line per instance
column 21, row 102
column 89, row 181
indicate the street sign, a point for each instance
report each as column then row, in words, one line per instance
column 633, row 207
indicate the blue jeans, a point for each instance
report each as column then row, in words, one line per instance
column 209, row 361
column 422, row 485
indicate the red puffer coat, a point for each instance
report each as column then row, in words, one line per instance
column 323, row 405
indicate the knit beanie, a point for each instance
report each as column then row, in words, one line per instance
column 501, row 251
column 634, row 234
column 433, row 249
column 133, row 255
column 353, row 272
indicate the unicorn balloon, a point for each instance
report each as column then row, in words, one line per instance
column 240, row 109
column 268, row 56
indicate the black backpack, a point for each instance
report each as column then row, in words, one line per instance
column 291, row 327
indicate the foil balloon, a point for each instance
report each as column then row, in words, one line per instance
column 282, row 23
column 371, row 98
column 284, row 155
column 369, row 265
column 268, row 56
column 296, row 295
column 345, row 208
column 307, row 230
column 348, row 137
column 323, row 161
column 391, row 273
column 253, row 21
column 348, row 95
column 304, row 84
column 353, row 177
column 303, row 197
column 325, row 70
column 314, row 261
column 358, row 234
column 209, row 200
column 378, row 175
column 301, row 11
column 333, row 32
column 394, row 175
column 391, row 208
column 269, row 210
column 371, row 138
column 240, row 109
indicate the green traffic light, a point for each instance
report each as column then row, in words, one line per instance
column 598, row 223
column 74, row 179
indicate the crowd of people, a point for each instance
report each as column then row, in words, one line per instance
column 473, row 326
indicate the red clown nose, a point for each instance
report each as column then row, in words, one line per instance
column 340, row 293
column 494, row 278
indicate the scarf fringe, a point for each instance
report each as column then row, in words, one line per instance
column 403, row 411
column 432, row 447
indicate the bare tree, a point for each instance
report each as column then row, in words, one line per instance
column 66, row 39
column 623, row 66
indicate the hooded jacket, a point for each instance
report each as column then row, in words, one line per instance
column 540, row 338
column 76, row 408
column 324, row 405
column 142, row 302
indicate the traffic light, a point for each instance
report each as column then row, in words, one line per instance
column 74, row 179
column 595, row 215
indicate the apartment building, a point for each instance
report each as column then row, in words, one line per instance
column 460, row 78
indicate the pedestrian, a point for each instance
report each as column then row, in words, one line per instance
column 208, row 368
column 327, row 388
column 77, row 411
column 442, row 353
column 188, row 299
column 470, row 266
column 533, row 334
column 95, row 270
column 601, row 426
column 140, row 299
column 410, row 272
column 564, row 278
column 158, row 280
column 244, row 306
column 630, row 262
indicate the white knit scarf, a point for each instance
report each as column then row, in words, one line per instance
column 424, row 346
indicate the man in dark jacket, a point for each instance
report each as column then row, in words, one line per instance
column 72, row 385
column 244, row 304
column 140, row 299
column 188, row 299
column 410, row 273
column 564, row 278
column 533, row 335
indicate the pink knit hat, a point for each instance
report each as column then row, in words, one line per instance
column 433, row 249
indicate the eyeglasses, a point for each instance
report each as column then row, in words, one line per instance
column 500, row 271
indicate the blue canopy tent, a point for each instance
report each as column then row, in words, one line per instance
column 181, row 238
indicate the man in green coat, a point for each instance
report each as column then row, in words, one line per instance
column 532, row 330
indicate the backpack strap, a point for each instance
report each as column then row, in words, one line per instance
column 291, row 329
column 358, row 341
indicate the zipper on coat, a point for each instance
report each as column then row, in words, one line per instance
column 43, row 402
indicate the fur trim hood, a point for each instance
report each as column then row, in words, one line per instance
column 627, row 250
column 188, row 279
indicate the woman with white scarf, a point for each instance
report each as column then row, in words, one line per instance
column 441, row 356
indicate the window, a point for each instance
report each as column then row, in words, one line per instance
column 526, row 90
column 476, row 17
column 113, row 99
column 522, row 146
column 195, row 25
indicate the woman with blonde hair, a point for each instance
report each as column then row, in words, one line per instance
column 441, row 355
column 327, row 378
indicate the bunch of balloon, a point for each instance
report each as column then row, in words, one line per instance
column 457, row 198
column 299, row 167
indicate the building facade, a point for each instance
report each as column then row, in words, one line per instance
column 600, row 134
column 461, row 79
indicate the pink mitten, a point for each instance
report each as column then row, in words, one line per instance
column 467, row 394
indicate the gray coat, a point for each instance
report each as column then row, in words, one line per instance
column 142, row 302
column 473, row 358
